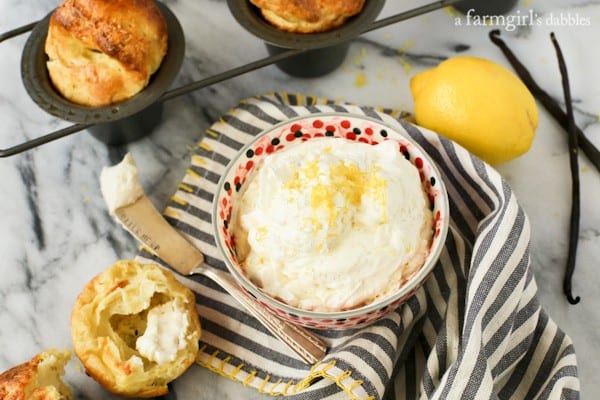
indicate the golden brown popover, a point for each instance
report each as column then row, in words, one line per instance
column 308, row 16
column 104, row 51
column 38, row 379
column 135, row 328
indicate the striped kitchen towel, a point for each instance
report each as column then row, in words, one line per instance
column 475, row 330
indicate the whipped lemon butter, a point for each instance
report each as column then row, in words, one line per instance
column 120, row 184
column 165, row 334
column 332, row 224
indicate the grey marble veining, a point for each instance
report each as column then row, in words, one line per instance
column 55, row 232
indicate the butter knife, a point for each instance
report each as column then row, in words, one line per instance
column 149, row 227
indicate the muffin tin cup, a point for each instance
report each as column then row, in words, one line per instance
column 118, row 123
column 326, row 50
column 129, row 129
column 487, row 8
column 311, row 63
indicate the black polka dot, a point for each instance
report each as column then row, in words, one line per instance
column 275, row 141
column 250, row 153
column 238, row 186
column 298, row 134
column 328, row 133
column 227, row 185
column 356, row 131
column 406, row 155
column 225, row 224
column 383, row 133
column 432, row 180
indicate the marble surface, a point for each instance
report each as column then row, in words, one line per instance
column 56, row 233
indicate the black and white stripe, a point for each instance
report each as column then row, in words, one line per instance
column 475, row 330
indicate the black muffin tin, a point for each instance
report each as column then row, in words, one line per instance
column 325, row 51
column 131, row 119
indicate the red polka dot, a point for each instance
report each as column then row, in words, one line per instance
column 270, row 148
column 403, row 149
column 236, row 180
column 296, row 127
column 319, row 134
column 345, row 124
column 363, row 140
column 369, row 131
column 289, row 137
column 419, row 162
column 258, row 151
column 351, row 135
column 249, row 165
column 306, row 136
column 330, row 128
column 318, row 123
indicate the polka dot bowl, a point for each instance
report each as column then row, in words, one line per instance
column 294, row 132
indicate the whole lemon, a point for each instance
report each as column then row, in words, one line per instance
column 479, row 104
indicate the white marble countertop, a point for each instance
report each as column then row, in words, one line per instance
column 56, row 233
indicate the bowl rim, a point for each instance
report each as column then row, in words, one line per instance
column 248, row 16
column 414, row 282
column 38, row 84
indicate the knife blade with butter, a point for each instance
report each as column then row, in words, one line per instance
column 128, row 203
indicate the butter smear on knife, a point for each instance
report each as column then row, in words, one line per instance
column 120, row 184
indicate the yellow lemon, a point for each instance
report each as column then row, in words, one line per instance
column 479, row 104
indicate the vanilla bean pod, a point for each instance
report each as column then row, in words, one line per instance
column 588, row 148
column 575, row 195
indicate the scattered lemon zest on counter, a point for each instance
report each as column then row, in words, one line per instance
column 451, row 11
column 359, row 57
column 360, row 80
column 405, row 64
